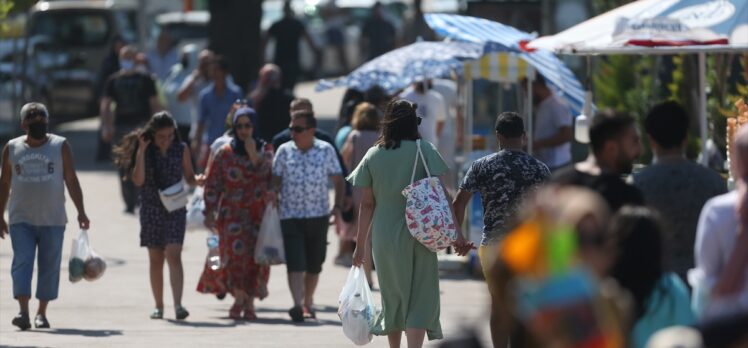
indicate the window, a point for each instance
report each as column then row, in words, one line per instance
column 73, row 28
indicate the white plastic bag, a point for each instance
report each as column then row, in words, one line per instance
column 357, row 311
column 84, row 263
column 195, row 217
column 269, row 246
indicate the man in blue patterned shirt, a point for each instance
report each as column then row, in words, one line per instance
column 301, row 172
column 502, row 179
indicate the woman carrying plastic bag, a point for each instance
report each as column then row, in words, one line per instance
column 357, row 311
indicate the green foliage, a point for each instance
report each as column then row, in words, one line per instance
column 5, row 7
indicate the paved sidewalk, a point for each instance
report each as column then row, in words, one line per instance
column 113, row 311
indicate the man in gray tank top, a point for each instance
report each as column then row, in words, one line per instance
column 36, row 167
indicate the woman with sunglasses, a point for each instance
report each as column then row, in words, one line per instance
column 407, row 271
column 237, row 191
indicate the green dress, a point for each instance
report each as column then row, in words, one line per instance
column 408, row 273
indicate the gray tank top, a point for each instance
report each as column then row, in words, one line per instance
column 37, row 187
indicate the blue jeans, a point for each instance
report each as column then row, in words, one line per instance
column 25, row 239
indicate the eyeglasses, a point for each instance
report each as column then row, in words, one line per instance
column 297, row 129
column 243, row 126
column 241, row 101
column 419, row 119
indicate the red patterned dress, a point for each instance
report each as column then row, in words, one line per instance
column 236, row 189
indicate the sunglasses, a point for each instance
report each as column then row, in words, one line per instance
column 297, row 129
column 33, row 114
column 243, row 126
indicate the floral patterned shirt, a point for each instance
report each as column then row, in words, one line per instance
column 503, row 179
column 304, row 179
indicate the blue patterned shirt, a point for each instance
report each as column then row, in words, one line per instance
column 503, row 179
column 304, row 179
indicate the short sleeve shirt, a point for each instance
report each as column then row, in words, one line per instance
column 503, row 179
column 304, row 179
column 131, row 91
column 215, row 108
column 552, row 115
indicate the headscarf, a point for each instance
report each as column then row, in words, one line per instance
column 237, row 144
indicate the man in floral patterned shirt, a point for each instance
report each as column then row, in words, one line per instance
column 502, row 179
column 301, row 172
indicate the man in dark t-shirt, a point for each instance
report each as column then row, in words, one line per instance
column 378, row 34
column 134, row 94
column 614, row 145
column 287, row 33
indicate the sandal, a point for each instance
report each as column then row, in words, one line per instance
column 309, row 313
column 181, row 313
column 249, row 313
column 158, row 313
column 297, row 314
column 235, row 312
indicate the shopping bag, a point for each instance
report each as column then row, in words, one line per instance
column 427, row 212
column 84, row 263
column 269, row 246
column 356, row 308
column 195, row 208
column 174, row 197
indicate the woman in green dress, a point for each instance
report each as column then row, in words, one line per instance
column 407, row 271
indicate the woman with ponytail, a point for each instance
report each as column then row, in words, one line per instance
column 156, row 158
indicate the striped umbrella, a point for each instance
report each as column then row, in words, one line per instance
column 399, row 68
column 497, row 37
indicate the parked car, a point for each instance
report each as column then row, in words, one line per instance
column 64, row 45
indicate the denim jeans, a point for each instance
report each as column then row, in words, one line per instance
column 26, row 239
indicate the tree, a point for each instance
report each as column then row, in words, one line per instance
column 234, row 32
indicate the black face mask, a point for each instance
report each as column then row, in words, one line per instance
column 38, row 130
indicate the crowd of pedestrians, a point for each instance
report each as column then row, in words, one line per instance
column 668, row 238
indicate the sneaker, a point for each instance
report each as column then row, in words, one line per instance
column 297, row 314
column 182, row 313
column 40, row 322
column 22, row 321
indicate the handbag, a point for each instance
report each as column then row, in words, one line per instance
column 175, row 196
column 427, row 212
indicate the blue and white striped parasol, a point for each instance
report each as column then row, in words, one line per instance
column 401, row 67
column 502, row 38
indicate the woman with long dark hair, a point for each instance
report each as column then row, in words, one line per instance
column 237, row 191
column 407, row 271
column 660, row 298
column 156, row 159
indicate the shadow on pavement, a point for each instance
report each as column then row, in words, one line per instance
column 322, row 309
column 283, row 321
column 203, row 324
column 79, row 332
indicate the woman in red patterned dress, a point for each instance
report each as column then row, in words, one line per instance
column 237, row 190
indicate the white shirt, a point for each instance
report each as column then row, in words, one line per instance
column 304, row 178
column 552, row 114
column 181, row 111
column 448, row 90
column 431, row 108
column 716, row 234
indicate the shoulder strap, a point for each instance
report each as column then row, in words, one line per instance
column 419, row 153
